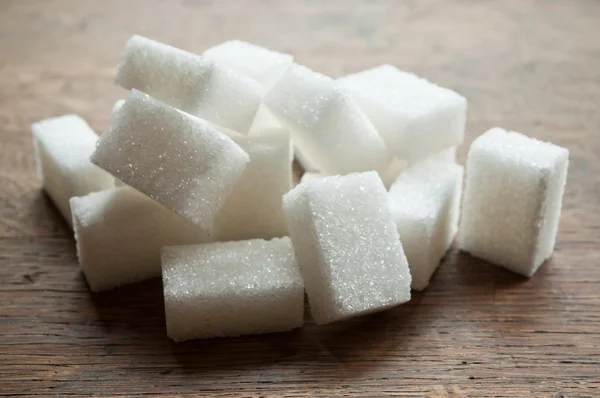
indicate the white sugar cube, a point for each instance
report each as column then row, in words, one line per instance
column 512, row 200
column 347, row 246
column 189, row 82
column 231, row 289
column 253, row 208
column 425, row 202
column 175, row 158
column 256, row 62
column 326, row 124
column 119, row 234
column 309, row 176
column 416, row 118
column 63, row 146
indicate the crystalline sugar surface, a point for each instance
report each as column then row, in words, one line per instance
column 425, row 204
column 175, row 158
column 189, row 82
column 416, row 118
column 253, row 208
column 327, row 126
column 347, row 246
column 256, row 62
column 512, row 200
column 231, row 289
column 265, row 122
column 63, row 146
column 120, row 232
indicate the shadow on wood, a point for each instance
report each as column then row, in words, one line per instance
column 467, row 271
column 137, row 311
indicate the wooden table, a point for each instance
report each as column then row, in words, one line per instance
column 531, row 66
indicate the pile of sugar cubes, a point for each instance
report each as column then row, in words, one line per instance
column 192, row 180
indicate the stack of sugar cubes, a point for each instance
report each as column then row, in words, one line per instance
column 192, row 181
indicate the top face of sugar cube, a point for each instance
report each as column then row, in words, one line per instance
column 190, row 82
column 416, row 118
column 518, row 149
column 302, row 95
column 173, row 157
column 66, row 138
column 229, row 267
column 259, row 63
column 399, row 90
column 165, row 72
column 63, row 146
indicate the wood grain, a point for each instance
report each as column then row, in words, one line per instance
column 531, row 66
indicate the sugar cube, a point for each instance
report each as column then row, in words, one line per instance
column 175, row 158
column 63, row 146
column 256, row 62
column 231, row 289
column 309, row 176
column 189, row 82
column 326, row 124
column 415, row 117
column 425, row 204
column 347, row 246
column 119, row 234
column 512, row 200
column 253, row 208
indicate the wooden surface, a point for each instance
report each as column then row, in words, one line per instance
column 531, row 66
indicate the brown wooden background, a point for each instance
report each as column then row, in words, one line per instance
column 531, row 66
